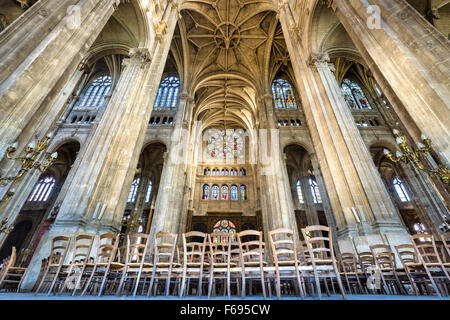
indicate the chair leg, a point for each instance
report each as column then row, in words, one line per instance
column 183, row 284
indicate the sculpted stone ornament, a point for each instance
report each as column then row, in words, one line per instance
column 319, row 59
column 160, row 29
column 140, row 54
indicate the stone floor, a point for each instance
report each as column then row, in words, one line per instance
column 31, row 296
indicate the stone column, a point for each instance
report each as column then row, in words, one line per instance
column 276, row 197
column 38, row 53
column 170, row 207
column 409, row 59
column 359, row 200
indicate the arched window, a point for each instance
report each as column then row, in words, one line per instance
column 224, row 192
column 167, row 96
column 215, row 192
column 133, row 190
column 224, row 172
column 243, row 192
column 419, row 228
column 148, row 195
column 225, row 144
column 206, row 192
column 354, row 95
column 299, row 191
column 234, row 193
column 283, row 95
column 95, row 94
column 400, row 189
column 224, row 226
column 42, row 189
column 242, row 172
column 233, row 172
column 315, row 191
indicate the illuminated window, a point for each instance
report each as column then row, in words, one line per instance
column 167, row 96
column 224, row 226
column 354, row 95
column 133, row 190
column 215, row 192
column 149, row 192
column 225, row 144
column 243, row 192
column 315, row 191
column 299, row 191
column 42, row 190
column 95, row 94
column 234, row 193
column 224, row 192
column 206, row 192
column 283, row 95
column 400, row 189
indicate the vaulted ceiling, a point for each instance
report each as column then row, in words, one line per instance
column 231, row 48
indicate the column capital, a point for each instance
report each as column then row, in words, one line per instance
column 330, row 4
column 319, row 59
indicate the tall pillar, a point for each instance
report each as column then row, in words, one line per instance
column 276, row 197
column 38, row 52
column 409, row 59
column 359, row 200
column 170, row 207
column 105, row 166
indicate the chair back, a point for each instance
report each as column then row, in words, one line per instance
column 349, row 263
column 365, row 260
column 9, row 262
column 82, row 248
column 194, row 246
column 407, row 254
column 319, row 244
column 251, row 247
column 220, row 247
column 136, row 251
column 426, row 248
column 58, row 251
column 284, row 248
column 164, row 248
column 383, row 256
column 107, row 248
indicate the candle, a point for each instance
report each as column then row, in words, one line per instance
column 386, row 151
column 395, row 131
column 399, row 154
column 399, row 140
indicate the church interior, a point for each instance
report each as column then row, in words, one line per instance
column 265, row 148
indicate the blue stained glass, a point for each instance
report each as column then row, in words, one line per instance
column 167, row 96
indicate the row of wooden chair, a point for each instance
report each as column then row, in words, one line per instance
column 424, row 263
column 220, row 261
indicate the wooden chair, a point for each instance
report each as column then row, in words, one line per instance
column 285, row 258
column 385, row 262
column 164, row 256
column 431, row 260
column 10, row 274
column 58, row 253
column 135, row 262
column 194, row 264
column 252, row 259
column 350, row 270
column 71, row 275
column 414, row 268
column 220, row 253
column 105, row 263
column 446, row 243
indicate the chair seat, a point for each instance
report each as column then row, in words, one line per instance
column 224, row 265
column 196, row 264
column 254, row 263
column 288, row 262
column 17, row 269
column 138, row 265
column 166, row 265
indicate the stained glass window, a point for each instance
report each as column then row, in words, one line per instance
column 215, row 192
column 315, row 191
column 167, row 96
column 242, row 172
column 224, row 226
column 42, row 189
column 234, row 193
column 243, row 192
column 225, row 144
column 283, row 95
column 400, row 189
column 299, row 191
column 133, row 190
column 224, row 172
column 233, row 172
column 149, row 191
column 95, row 94
column 224, row 192
column 354, row 95
column 206, row 192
